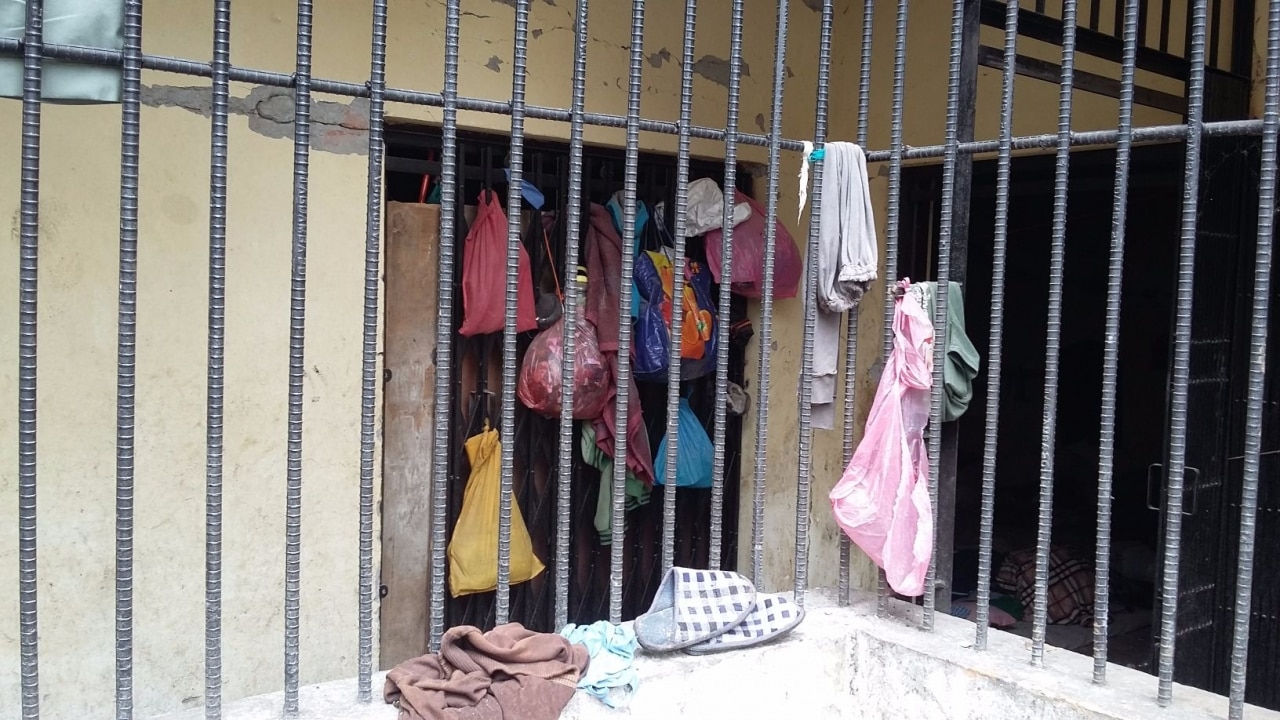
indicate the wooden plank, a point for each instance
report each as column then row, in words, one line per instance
column 411, row 262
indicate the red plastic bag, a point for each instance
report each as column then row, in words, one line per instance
column 484, row 274
column 748, row 255
column 539, row 387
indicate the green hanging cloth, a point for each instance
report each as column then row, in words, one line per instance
column 95, row 24
column 637, row 493
column 962, row 362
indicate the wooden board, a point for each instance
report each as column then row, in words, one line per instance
column 411, row 262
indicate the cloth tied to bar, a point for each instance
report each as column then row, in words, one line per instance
column 508, row 673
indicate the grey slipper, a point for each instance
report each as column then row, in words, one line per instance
column 694, row 606
column 773, row 617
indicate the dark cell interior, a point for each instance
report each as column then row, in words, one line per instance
column 1223, row 273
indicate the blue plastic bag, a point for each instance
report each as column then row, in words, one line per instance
column 651, row 344
column 694, row 455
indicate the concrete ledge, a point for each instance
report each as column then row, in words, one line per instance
column 801, row 676
column 845, row 664
column 326, row 701
column 910, row 673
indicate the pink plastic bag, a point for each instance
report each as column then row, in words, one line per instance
column 882, row 501
column 539, row 387
column 748, row 255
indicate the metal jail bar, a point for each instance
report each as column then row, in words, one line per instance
column 1053, row 335
column 766, row 300
column 369, row 348
column 677, row 289
column 634, row 87
column 126, row 353
column 851, row 327
column 1111, row 346
column 940, row 298
column 214, row 391
column 894, row 215
column 999, row 247
column 515, row 166
column 804, row 465
column 1181, row 362
column 573, row 221
column 28, row 278
column 222, row 72
column 1258, row 336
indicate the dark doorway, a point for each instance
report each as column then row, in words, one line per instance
column 1220, row 333
column 413, row 153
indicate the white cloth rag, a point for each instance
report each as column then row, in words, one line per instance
column 847, row 261
column 705, row 210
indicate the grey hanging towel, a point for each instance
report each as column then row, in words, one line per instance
column 95, row 24
column 847, row 263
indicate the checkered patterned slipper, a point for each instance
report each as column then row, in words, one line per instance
column 694, row 606
column 773, row 618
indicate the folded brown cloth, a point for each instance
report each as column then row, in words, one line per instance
column 508, row 673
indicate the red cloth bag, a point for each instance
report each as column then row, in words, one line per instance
column 484, row 274
column 748, row 254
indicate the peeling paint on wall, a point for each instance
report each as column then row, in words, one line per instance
column 494, row 64
column 341, row 128
column 716, row 69
column 660, row 58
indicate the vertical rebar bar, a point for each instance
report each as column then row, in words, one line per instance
column 678, row 283
column 893, row 214
column 519, row 76
column 1111, row 346
column 804, row 466
column 1257, row 370
column 1053, row 334
column 215, row 389
column 126, row 352
column 297, row 363
column 369, row 346
column 635, row 82
column 851, row 329
column 444, row 323
column 28, row 277
column 726, row 287
column 759, row 477
column 1181, row 364
column 999, row 244
column 573, row 226
column 940, row 324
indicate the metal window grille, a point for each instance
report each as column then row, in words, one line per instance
column 1126, row 41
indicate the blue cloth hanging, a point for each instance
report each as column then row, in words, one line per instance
column 529, row 192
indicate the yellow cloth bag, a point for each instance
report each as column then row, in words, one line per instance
column 473, row 551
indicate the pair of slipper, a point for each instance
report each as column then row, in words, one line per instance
column 710, row 611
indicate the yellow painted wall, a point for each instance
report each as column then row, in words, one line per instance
column 78, row 284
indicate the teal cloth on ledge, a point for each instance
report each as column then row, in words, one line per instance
column 87, row 23
column 611, row 675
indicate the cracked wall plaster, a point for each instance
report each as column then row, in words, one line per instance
column 341, row 128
